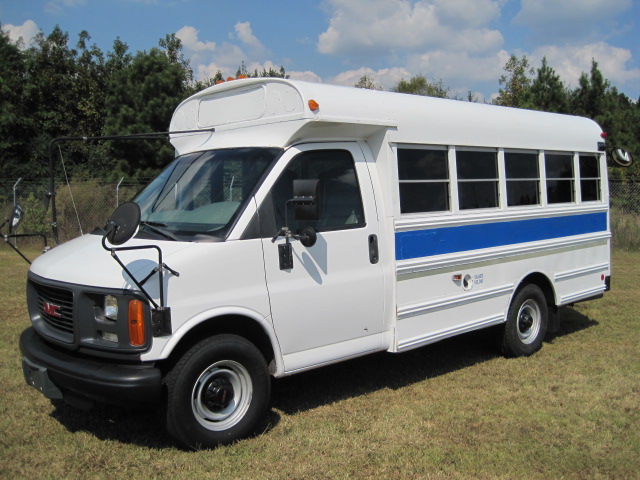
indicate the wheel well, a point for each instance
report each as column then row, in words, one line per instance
column 543, row 282
column 232, row 324
column 545, row 285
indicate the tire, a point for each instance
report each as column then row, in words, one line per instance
column 217, row 393
column 527, row 322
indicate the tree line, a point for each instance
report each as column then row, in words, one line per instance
column 55, row 89
column 52, row 89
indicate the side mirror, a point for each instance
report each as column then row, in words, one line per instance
column 621, row 157
column 306, row 204
column 123, row 223
column 16, row 218
column 308, row 236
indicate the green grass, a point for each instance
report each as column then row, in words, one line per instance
column 456, row 409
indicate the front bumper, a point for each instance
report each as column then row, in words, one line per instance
column 60, row 374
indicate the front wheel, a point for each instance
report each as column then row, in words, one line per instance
column 217, row 393
column 526, row 322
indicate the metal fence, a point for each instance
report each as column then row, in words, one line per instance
column 85, row 204
column 625, row 196
column 81, row 205
column 625, row 213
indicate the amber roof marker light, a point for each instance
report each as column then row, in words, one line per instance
column 314, row 106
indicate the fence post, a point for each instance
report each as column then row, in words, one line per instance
column 118, row 192
column 15, row 240
column 14, row 191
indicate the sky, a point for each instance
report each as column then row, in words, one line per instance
column 464, row 43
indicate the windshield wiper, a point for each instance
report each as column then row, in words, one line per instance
column 153, row 226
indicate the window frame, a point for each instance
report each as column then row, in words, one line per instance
column 597, row 180
column 295, row 226
column 519, row 180
column 571, row 179
column 485, row 180
column 445, row 182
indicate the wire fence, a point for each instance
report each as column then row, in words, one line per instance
column 86, row 204
column 81, row 205
column 625, row 213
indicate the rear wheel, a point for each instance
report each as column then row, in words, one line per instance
column 526, row 322
column 217, row 393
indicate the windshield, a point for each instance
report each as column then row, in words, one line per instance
column 202, row 192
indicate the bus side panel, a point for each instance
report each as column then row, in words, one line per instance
column 444, row 295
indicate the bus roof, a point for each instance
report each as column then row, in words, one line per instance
column 282, row 112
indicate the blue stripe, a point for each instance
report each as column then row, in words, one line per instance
column 438, row 241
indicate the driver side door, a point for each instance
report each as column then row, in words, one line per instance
column 329, row 306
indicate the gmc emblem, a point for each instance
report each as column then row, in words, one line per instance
column 51, row 309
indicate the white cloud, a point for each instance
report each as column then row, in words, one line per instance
column 452, row 40
column 459, row 68
column 189, row 38
column 246, row 36
column 27, row 31
column 205, row 72
column 571, row 61
column 207, row 57
column 306, row 76
column 385, row 77
column 456, row 40
column 252, row 67
column 384, row 27
column 468, row 13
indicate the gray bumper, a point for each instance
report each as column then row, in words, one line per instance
column 57, row 374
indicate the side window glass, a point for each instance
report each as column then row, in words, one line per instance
column 523, row 179
column 589, row 178
column 424, row 180
column 559, row 169
column 339, row 192
column 477, row 179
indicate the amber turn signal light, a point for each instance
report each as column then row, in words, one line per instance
column 136, row 323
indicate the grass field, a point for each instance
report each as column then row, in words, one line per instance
column 456, row 409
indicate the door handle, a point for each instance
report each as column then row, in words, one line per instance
column 373, row 249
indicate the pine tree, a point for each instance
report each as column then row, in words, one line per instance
column 547, row 91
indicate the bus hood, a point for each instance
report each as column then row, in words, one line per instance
column 83, row 261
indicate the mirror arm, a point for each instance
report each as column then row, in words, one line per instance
column 121, row 227
column 25, row 235
column 283, row 232
column 159, row 269
column 6, row 239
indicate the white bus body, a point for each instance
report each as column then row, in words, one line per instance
column 437, row 217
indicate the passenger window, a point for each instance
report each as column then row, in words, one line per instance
column 477, row 179
column 424, row 180
column 589, row 178
column 559, row 169
column 339, row 192
column 523, row 179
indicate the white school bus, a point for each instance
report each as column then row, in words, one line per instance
column 305, row 224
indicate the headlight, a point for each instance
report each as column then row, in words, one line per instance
column 111, row 307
